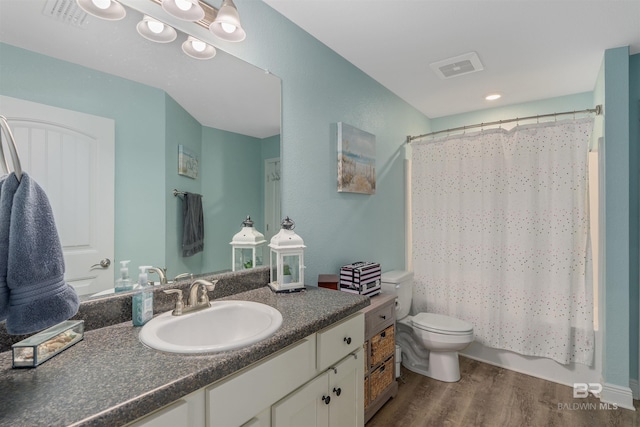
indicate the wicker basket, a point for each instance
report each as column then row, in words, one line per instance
column 383, row 345
column 366, row 392
column 381, row 378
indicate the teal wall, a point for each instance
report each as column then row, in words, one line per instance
column 616, row 198
column 228, row 186
column 181, row 129
column 562, row 103
column 634, row 213
column 320, row 89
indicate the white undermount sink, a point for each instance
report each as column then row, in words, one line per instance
column 226, row 325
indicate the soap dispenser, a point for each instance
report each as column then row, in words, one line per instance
column 142, row 304
column 124, row 284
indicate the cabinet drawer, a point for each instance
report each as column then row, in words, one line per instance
column 383, row 345
column 381, row 378
column 380, row 318
column 338, row 340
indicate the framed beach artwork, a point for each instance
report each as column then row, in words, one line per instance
column 356, row 160
column 187, row 163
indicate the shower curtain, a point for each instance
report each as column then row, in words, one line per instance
column 501, row 236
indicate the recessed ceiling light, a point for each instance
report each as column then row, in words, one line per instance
column 493, row 97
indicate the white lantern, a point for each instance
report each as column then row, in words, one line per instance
column 247, row 247
column 287, row 259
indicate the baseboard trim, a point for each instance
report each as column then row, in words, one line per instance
column 515, row 369
column 635, row 388
column 620, row 396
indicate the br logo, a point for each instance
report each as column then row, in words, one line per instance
column 582, row 390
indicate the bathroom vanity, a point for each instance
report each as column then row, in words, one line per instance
column 110, row 378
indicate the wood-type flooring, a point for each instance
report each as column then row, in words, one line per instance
column 490, row 396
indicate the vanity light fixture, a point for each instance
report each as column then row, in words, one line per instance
column 493, row 97
column 227, row 23
column 187, row 10
column 198, row 49
column 156, row 31
column 224, row 23
column 110, row 10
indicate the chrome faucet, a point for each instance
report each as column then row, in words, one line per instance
column 161, row 272
column 198, row 297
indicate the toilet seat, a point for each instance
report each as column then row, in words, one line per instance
column 441, row 324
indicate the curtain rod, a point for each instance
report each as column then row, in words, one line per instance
column 597, row 110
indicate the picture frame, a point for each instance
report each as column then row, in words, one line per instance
column 187, row 163
column 356, row 160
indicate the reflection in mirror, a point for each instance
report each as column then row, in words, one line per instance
column 153, row 100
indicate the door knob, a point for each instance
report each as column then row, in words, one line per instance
column 104, row 263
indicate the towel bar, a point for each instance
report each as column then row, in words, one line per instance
column 11, row 143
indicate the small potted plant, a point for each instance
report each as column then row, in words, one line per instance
column 286, row 274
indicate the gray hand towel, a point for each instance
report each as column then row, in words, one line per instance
column 6, row 201
column 38, row 295
column 193, row 225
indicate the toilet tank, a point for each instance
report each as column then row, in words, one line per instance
column 400, row 284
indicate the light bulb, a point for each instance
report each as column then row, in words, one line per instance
column 228, row 28
column 184, row 5
column 198, row 45
column 155, row 26
column 102, row 4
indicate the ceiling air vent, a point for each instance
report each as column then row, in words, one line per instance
column 457, row 66
column 66, row 11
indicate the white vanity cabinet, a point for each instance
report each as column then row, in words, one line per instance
column 188, row 411
column 317, row 381
column 334, row 398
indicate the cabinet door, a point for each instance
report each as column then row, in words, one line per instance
column 346, row 388
column 306, row 407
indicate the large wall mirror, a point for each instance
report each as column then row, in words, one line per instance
column 223, row 112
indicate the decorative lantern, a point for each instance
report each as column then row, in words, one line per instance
column 287, row 259
column 247, row 247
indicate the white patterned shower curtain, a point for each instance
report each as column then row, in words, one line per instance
column 501, row 236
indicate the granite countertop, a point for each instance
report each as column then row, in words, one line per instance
column 110, row 378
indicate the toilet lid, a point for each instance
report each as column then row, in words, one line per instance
column 441, row 324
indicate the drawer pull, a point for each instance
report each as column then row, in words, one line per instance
column 384, row 334
column 326, row 399
column 383, row 317
column 337, row 391
column 347, row 340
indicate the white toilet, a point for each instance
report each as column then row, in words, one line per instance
column 429, row 342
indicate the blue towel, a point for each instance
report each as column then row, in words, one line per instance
column 6, row 201
column 38, row 295
column 193, row 225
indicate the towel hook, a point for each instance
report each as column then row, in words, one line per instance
column 11, row 143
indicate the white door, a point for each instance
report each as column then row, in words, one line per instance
column 272, row 217
column 346, row 388
column 71, row 156
column 306, row 407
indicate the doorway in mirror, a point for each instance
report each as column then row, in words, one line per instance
column 272, row 216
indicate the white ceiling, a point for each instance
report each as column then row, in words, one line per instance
column 530, row 49
column 224, row 92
